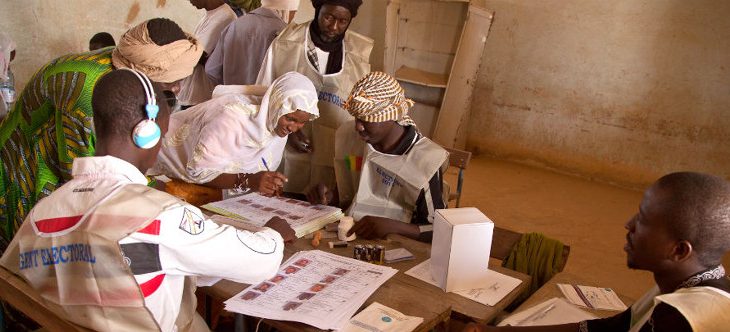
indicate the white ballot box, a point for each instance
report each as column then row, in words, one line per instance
column 462, row 239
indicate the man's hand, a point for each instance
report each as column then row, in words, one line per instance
column 267, row 183
column 370, row 227
column 281, row 226
column 320, row 194
column 300, row 142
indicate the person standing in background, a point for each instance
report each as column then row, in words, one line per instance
column 334, row 58
column 197, row 88
column 237, row 58
column 101, row 40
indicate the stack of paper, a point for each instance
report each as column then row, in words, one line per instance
column 551, row 312
column 592, row 297
column 313, row 287
column 496, row 285
column 256, row 209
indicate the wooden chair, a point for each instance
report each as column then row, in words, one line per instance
column 16, row 292
column 460, row 159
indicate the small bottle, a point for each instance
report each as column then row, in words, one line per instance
column 369, row 253
column 359, row 252
column 379, row 254
column 7, row 88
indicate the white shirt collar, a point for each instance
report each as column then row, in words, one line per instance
column 107, row 166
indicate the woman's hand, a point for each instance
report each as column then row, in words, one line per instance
column 267, row 183
column 300, row 142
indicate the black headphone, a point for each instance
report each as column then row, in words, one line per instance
column 146, row 134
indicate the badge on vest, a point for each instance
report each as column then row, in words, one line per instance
column 191, row 223
column 386, row 178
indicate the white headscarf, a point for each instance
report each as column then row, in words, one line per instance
column 231, row 133
column 281, row 7
column 7, row 45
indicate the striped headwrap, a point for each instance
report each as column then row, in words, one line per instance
column 378, row 97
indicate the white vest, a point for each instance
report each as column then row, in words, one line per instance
column 289, row 53
column 707, row 309
column 76, row 263
column 389, row 185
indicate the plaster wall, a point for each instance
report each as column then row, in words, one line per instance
column 623, row 91
column 46, row 29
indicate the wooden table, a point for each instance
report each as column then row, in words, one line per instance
column 550, row 290
column 404, row 293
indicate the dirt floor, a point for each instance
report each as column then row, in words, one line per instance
column 586, row 215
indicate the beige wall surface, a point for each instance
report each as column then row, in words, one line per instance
column 46, row 29
column 623, row 90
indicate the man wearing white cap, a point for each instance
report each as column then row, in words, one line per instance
column 242, row 46
column 197, row 88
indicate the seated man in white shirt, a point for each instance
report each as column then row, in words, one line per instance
column 112, row 254
column 680, row 233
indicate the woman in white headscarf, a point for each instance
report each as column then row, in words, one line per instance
column 233, row 140
column 7, row 53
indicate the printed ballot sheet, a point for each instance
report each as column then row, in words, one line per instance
column 496, row 285
column 592, row 297
column 551, row 312
column 313, row 287
column 257, row 209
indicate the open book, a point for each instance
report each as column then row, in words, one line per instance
column 256, row 209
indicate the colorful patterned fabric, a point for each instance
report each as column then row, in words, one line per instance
column 50, row 125
column 378, row 97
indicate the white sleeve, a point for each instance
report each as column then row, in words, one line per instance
column 266, row 73
column 190, row 244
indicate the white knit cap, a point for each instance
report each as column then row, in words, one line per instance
column 281, row 4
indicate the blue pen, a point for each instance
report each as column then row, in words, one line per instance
column 265, row 164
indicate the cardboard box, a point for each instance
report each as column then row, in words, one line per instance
column 462, row 239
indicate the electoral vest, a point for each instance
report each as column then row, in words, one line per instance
column 76, row 263
column 704, row 308
column 290, row 54
column 389, row 185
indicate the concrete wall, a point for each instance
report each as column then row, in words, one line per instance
column 623, row 90
column 46, row 29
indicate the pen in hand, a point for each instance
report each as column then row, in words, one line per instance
column 266, row 165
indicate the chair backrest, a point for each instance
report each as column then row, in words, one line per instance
column 503, row 240
column 458, row 158
column 16, row 292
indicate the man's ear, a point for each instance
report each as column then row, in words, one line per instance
column 682, row 251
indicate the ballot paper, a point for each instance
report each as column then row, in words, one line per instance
column 592, row 297
column 551, row 312
column 256, row 209
column 496, row 285
column 379, row 318
column 313, row 287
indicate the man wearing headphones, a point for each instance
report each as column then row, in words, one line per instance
column 112, row 254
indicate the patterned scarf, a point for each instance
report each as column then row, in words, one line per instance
column 378, row 97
